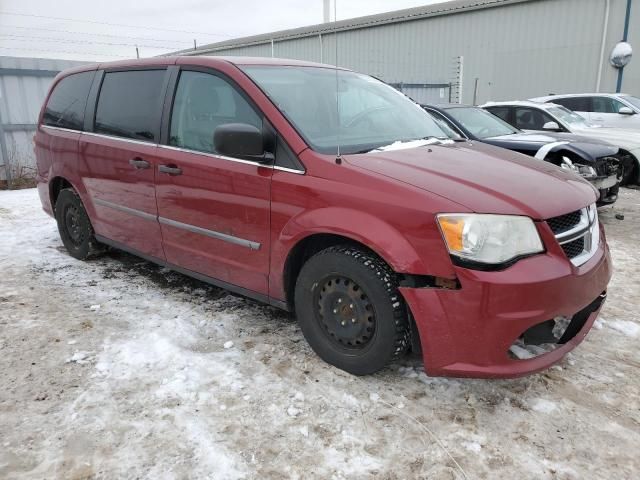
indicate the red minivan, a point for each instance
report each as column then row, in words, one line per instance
column 328, row 193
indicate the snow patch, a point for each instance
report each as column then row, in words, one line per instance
column 474, row 447
column 626, row 327
column 293, row 411
column 80, row 357
column 541, row 405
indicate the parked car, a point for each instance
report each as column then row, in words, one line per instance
column 604, row 109
column 594, row 160
column 379, row 233
column 549, row 117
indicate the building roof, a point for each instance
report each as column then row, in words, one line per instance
column 416, row 13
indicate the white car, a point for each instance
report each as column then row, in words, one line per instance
column 535, row 116
column 606, row 109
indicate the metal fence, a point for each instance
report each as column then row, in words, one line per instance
column 23, row 86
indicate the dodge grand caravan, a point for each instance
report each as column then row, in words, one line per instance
column 330, row 194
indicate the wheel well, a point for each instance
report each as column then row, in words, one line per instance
column 629, row 159
column 55, row 186
column 313, row 244
column 556, row 157
column 305, row 249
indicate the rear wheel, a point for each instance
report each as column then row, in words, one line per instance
column 350, row 311
column 74, row 226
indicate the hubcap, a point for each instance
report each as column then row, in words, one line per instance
column 345, row 312
column 73, row 225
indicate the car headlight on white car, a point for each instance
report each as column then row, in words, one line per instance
column 489, row 239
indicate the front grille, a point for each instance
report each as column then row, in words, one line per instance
column 573, row 249
column 577, row 233
column 564, row 223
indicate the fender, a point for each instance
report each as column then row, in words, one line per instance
column 381, row 237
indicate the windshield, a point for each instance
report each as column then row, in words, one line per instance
column 371, row 113
column 568, row 117
column 481, row 123
column 635, row 101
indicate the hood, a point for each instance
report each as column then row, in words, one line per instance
column 587, row 148
column 483, row 178
column 620, row 137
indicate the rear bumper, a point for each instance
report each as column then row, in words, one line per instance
column 468, row 332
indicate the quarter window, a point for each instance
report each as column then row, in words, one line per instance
column 129, row 104
column 68, row 100
column 202, row 103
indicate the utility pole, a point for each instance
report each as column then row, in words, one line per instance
column 195, row 46
column 137, row 52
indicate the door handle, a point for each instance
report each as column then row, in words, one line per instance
column 139, row 164
column 170, row 169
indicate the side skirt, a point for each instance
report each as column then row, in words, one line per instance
column 198, row 276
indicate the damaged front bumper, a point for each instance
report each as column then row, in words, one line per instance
column 470, row 331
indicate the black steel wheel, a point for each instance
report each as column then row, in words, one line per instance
column 345, row 312
column 350, row 311
column 74, row 225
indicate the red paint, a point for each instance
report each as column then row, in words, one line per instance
column 386, row 201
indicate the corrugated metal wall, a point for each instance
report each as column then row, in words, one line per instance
column 24, row 83
column 515, row 51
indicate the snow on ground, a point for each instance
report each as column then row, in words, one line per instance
column 116, row 368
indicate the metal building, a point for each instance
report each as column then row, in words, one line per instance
column 24, row 83
column 470, row 50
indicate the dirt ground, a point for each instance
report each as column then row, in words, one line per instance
column 116, row 368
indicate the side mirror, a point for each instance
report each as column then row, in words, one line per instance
column 626, row 111
column 241, row 140
column 552, row 126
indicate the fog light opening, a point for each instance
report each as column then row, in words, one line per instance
column 540, row 339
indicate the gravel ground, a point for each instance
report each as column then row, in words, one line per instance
column 116, row 368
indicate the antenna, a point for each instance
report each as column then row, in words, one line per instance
column 335, row 19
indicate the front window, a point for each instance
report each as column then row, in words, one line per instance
column 481, row 123
column 568, row 117
column 635, row 101
column 365, row 114
column 606, row 105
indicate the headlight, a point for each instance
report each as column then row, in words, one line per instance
column 489, row 239
column 583, row 170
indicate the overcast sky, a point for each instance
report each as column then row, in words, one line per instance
column 109, row 30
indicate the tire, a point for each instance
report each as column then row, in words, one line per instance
column 630, row 172
column 350, row 311
column 74, row 226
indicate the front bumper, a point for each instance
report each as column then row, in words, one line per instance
column 468, row 332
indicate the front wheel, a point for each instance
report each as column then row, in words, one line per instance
column 74, row 225
column 350, row 311
column 630, row 171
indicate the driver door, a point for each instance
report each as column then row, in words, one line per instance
column 214, row 211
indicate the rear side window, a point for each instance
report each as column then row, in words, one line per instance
column 577, row 104
column 68, row 100
column 129, row 104
column 500, row 112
